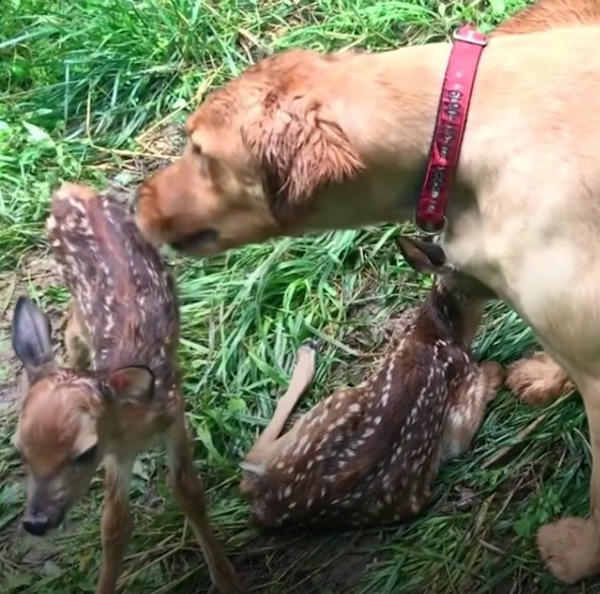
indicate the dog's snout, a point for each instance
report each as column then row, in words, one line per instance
column 36, row 523
column 144, row 193
column 148, row 211
column 195, row 240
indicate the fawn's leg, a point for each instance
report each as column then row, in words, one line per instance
column 468, row 408
column 571, row 547
column 189, row 493
column 117, row 522
column 538, row 380
column 78, row 352
column 302, row 376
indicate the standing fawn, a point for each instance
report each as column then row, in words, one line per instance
column 368, row 454
column 121, row 391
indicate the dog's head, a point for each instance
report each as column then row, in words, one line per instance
column 260, row 152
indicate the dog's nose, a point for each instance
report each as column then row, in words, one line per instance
column 36, row 524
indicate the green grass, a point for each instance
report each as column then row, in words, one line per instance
column 80, row 81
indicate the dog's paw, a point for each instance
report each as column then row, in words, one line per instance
column 538, row 380
column 569, row 549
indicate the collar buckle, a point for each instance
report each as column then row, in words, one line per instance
column 470, row 35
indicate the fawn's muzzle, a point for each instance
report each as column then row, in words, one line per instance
column 36, row 523
column 40, row 518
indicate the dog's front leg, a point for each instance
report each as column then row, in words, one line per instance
column 117, row 523
column 571, row 547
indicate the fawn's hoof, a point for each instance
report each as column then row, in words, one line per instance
column 225, row 579
column 569, row 549
column 311, row 345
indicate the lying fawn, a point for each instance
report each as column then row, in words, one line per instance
column 124, row 324
column 368, row 454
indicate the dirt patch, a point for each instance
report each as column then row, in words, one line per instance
column 8, row 371
column 8, row 362
column 38, row 270
column 306, row 565
column 293, row 564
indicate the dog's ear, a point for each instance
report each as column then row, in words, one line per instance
column 424, row 256
column 299, row 151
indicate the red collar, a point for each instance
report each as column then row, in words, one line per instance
column 449, row 129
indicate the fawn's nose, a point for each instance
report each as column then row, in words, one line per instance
column 36, row 523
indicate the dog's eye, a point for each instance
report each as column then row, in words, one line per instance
column 87, row 456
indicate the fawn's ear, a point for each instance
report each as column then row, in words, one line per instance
column 31, row 342
column 133, row 384
column 424, row 256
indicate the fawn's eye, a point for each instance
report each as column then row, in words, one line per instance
column 86, row 456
